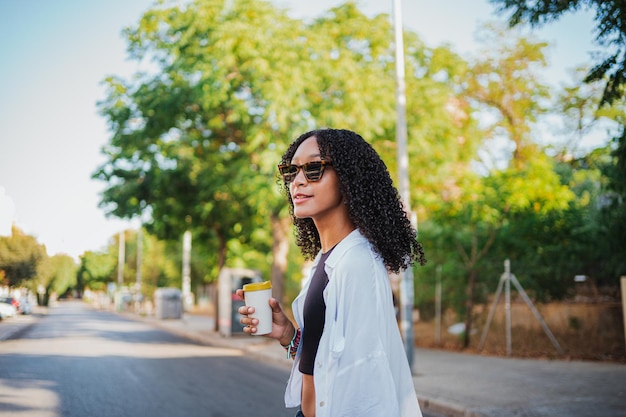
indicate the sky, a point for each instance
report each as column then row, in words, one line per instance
column 55, row 55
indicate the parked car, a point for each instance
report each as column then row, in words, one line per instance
column 25, row 306
column 12, row 301
column 7, row 310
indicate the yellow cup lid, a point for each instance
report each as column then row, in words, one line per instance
column 258, row 286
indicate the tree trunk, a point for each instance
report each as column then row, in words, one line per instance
column 221, row 253
column 280, row 250
column 470, row 307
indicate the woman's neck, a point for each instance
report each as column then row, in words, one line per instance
column 330, row 236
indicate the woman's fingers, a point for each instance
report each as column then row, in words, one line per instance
column 279, row 319
column 275, row 305
column 248, row 322
column 245, row 310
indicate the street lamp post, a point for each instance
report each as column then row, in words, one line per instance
column 187, row 300
column 121, row 252
column 139, row 258
column 406, row 283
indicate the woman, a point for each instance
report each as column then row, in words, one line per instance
column 349, row 359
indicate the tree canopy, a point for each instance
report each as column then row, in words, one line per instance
column 610, row 18
column 196, row 138
column 195, row 143
column 21, row 256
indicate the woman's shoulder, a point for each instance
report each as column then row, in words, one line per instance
column 358, row 257
column 353, row 244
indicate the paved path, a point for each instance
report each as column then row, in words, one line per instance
column 450, row 383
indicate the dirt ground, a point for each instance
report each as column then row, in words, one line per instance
column 583, row 332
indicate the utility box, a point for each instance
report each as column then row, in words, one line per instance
column 229, row 281
column 168, row 303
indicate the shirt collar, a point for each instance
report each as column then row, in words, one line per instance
column 354, row 238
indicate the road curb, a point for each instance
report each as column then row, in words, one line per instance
column 446, row 408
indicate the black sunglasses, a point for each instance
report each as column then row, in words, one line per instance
column 313, row 171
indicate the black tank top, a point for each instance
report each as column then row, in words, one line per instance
column 314, row 316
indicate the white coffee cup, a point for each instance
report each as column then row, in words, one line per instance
column 257, row 295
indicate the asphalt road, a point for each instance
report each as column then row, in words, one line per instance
column 81, row 362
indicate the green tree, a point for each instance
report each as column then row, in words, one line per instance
column 194, row 144
column 96, row 269
column 62, row 276
column 443, row 135
column 474, row 215
column 461, row 232
column 535, row 229
column 610, row 34
column 577, row 105
column 160, row 262
column 610, row 67
column 505, row 85
column 595, row 222
column 613, row 209
column 20, row 257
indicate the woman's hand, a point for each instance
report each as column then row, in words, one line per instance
column 282, row 328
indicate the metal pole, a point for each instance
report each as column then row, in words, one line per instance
column 137, row 294
column 623, row 285
column 438, row 307
column 120, row 260
column 139, row 257
column 507, row 305
column 536, row 313
column 186, row 268
column 406, row 284
column 491, row 312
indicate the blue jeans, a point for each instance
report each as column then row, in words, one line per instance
column 299, row 414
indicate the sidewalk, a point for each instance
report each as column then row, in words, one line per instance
column 447, row 383
column 457, row 384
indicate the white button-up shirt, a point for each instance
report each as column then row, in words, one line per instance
column 361, row 368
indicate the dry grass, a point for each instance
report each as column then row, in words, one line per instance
column 584, row 331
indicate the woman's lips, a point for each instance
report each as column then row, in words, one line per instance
column 300, row 198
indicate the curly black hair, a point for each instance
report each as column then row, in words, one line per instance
column 374, row 204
